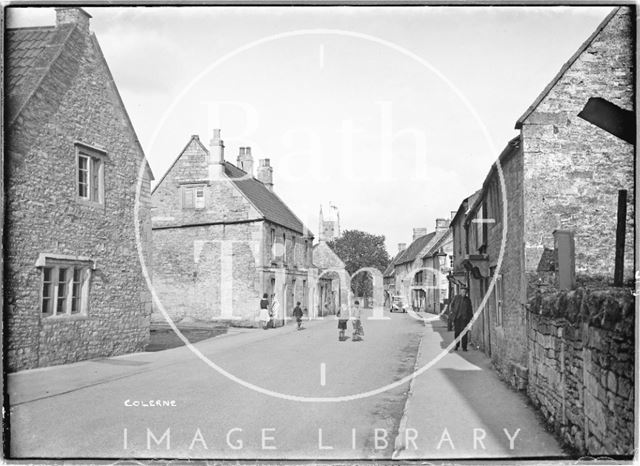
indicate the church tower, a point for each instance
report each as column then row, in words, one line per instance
column 329, row 224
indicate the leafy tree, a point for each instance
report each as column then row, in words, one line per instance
column 359, row 249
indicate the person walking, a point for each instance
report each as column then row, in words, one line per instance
column 264, row 312
column 358, row 331
column 461, row 312
column 343, row 318
column 297, row 313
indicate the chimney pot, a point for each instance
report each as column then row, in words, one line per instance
column 402, row 247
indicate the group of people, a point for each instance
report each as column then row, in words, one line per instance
column 354, row 314
column 268, row 312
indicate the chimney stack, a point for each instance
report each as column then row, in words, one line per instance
column 453, row 214
column 245, row 160
column 442, row 224
column 73, row 15
column 216, row 156
column 402, row 247
column 265, row 173
column 418, row 232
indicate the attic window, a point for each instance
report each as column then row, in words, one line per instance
column 193, row 197
column 89, row 175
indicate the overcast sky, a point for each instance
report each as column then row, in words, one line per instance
column 393, row 114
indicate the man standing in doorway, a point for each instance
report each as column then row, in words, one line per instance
column 461, row 313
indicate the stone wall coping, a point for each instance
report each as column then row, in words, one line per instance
column 44, row 256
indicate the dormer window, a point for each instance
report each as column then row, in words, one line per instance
column 90, row 174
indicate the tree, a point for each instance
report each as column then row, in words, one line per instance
column 359, row 249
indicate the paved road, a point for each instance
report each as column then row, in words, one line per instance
column 79, row 410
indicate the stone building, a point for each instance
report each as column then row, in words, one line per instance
column 329, row 224
column 437, row 263
column 562, row 173
column 574, row 168
column 223, row 238
column 333, row 282
column 459, row 275
column 74, row 286
column 413, row 277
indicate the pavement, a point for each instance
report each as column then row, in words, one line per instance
column 279, row 393
column 459, row 408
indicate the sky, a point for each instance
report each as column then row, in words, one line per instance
column 393, row 114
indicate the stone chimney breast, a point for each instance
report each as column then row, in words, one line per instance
column 442, row 224
column 245, row 160
column 73, row 15
column 418, row 232
column 265, row 173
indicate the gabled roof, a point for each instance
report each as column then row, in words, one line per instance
column 512, row 148
column 325, row 258
column 435, row 244
column 30, row 53
column 264, row 200
column 410, row 254
column 462, row 210
column 391, row 270
column 565, row 67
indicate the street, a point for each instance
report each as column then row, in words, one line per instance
column 171, row 404
column 91, row 422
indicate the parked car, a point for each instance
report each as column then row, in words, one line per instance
column 397, row 304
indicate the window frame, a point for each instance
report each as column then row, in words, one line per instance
column 72, row 297
column 498, row 293
column 191, row 191
column 96, row 160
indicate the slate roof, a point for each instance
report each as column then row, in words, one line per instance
column 266, row 201
column 30, row 53
column 414, row 249
column 391, row 268
column 436, row 243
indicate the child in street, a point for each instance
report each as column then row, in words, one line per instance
column 297, row 313
column 343, row 318
column 358, row 331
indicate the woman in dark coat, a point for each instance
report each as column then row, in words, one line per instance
column 461, row 312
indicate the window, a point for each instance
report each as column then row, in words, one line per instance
column 306, row 252
column 273, row 243
column 498, row 296
column 90, row 171
column 193, row 197
column 293, row 250
column 65, row 289
column 284, row 248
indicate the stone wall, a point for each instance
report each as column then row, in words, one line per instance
column 581, row 367
column 573, row 169
column 76, row 102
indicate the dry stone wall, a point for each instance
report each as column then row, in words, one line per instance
column 581, row 367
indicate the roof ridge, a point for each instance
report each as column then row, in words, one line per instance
column 566, row 66
column 30, row 28
column 193, row 137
